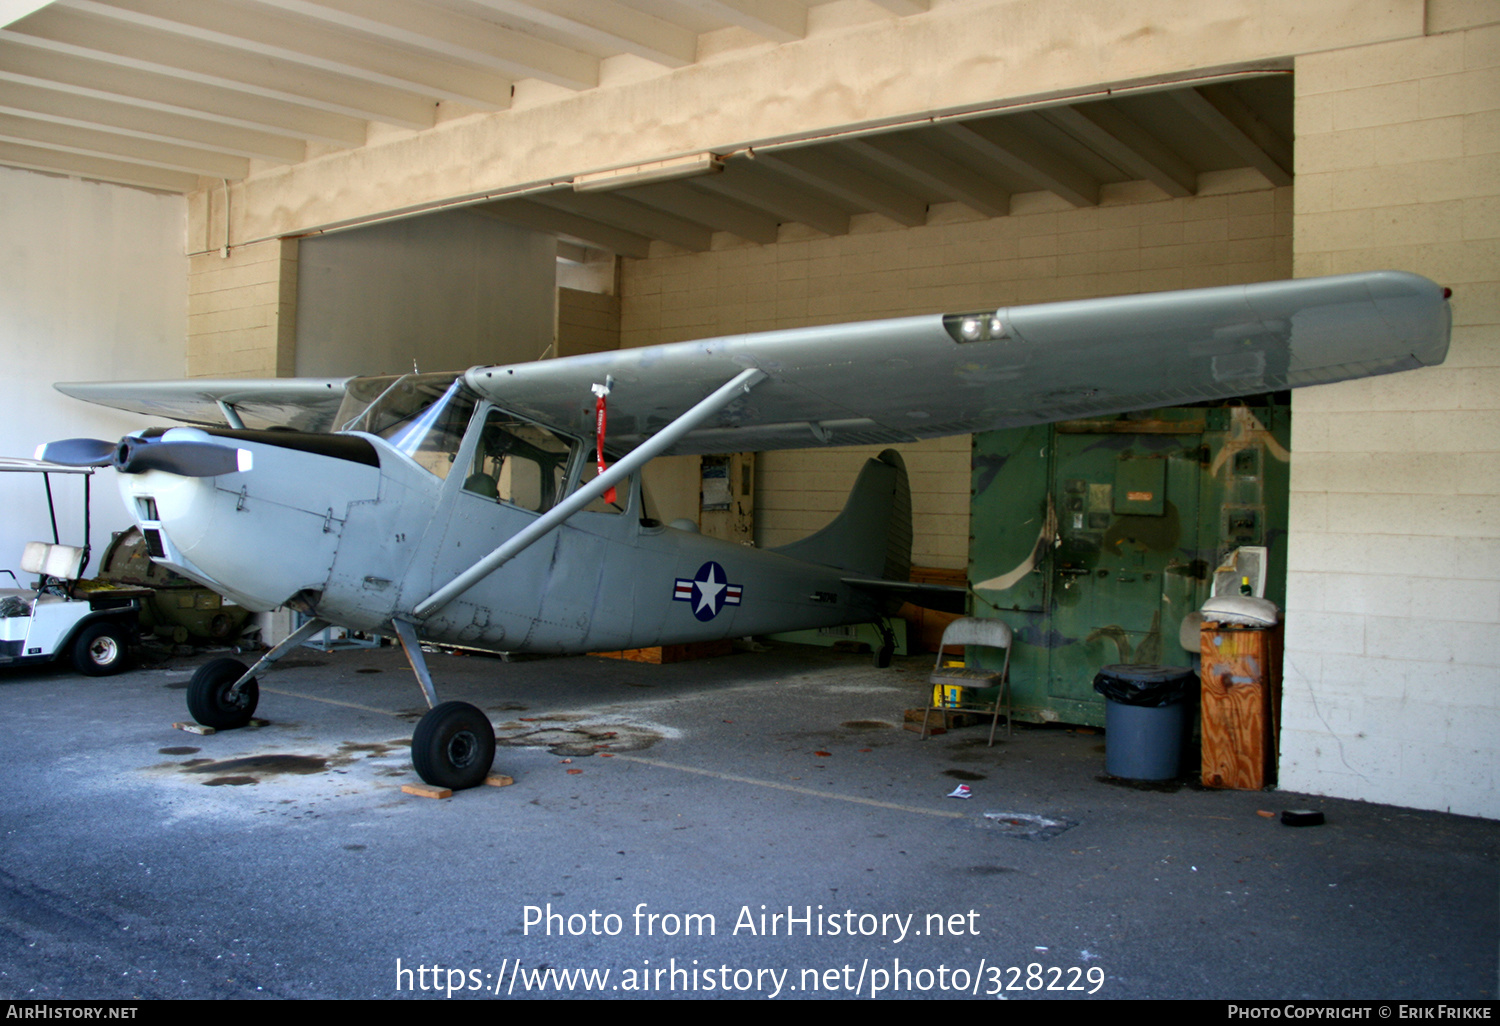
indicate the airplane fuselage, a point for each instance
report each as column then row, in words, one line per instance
column 357, row 531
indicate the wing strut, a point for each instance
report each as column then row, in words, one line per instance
column 638, row 457
column 231, row 415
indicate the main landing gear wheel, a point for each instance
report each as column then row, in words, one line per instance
column 100, row 649
column 453, row 746
column 209, row 700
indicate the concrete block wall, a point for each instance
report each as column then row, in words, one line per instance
column 1237, row 229
column 242, row 311
column 587, row 322
column 1392, row 673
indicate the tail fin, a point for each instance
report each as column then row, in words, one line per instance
column 872, row 536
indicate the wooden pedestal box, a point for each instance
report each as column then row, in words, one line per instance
column 1241, row 705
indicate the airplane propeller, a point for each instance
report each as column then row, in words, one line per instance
column 78, row 452
column 190, row 456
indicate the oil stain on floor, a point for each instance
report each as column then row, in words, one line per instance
column 252, row 769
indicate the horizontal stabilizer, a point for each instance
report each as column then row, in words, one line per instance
column 943, row 598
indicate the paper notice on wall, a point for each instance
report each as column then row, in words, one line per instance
column 716, row 487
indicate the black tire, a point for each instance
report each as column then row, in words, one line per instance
column 101, row 649
column 208, row 698
column 1302, row 817
column 453, row 746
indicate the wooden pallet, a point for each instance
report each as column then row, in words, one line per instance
column 673, row 653
column 943, row 720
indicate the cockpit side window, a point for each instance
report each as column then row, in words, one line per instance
column 601, row 504
column 518, row 462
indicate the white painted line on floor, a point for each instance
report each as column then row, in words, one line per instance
column 790, row 787
column 331, row 701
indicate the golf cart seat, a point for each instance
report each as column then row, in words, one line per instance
column 60, row 563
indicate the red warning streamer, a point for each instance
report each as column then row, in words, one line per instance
column 599, row 411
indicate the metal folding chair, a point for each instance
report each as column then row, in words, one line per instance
column 978, row 633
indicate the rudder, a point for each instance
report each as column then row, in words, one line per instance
column 871, row 537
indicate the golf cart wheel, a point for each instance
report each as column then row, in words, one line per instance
column 453, row 746
column 101, row 649
column 209, row 699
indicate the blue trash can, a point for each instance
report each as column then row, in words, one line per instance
column 1147, row 719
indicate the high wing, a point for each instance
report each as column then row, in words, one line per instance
column 306, row 404
column 881, row 382
column 890, row 381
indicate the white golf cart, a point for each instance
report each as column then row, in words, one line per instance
column 61, row 616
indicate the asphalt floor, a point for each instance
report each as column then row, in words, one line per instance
column 756, row 825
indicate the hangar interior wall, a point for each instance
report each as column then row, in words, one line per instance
column 587, row 322
column 1237, row 229
column 449, row 291
column 1392, row 672
column 242, row 311
column 91, row 288
column 442, row 292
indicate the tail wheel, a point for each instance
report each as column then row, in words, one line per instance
column 101, row 649
column 453, row 746
column 210, row 701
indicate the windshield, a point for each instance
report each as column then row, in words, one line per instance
column 375, row 404
column 359, row 393
column 422, row 415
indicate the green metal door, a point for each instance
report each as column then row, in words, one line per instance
column 1093, row 539
column 1123, row 570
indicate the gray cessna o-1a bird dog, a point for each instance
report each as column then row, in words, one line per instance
column 470, row 509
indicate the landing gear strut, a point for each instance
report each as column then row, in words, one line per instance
column 454, row 743
column 887, row 648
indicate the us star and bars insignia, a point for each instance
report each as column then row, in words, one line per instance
column 708, row 590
